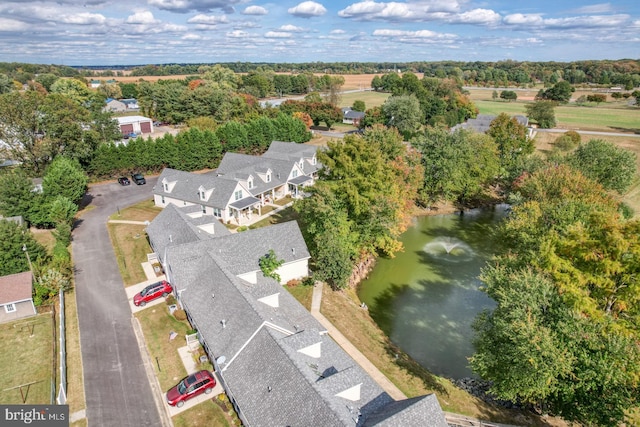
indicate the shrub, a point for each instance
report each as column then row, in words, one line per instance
column 308, row 281
column 171, row 300
column 179, row 314
column 565, row 143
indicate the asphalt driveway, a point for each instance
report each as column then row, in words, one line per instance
column 116, row 386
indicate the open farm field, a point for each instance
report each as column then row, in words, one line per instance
column 370, row 99
column 351, row 81
column 605, row 118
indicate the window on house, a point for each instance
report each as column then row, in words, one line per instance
column 313, row 161
column 202, row 196
column 165, row 186
column 217, row 213
column 204, row 209
column 294, row 173
column 10, row 308
column 250, row 182
column 269, row 177
column 163, row 202
column 238, row 194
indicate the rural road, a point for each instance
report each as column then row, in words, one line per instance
column 590, row 132
column 116, row 386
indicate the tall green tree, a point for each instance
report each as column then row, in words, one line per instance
column 613, row 167
column 65, row 178
column 404, row 113
column 542, row 112
column 16, row 195
column 13, row 259
column 513, row 142
column 457, row 166
column 534, row 348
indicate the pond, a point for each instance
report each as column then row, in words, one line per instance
column 426, row 298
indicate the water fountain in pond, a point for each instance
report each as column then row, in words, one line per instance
column 449, row 249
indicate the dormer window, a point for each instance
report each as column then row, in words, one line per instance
column 250, row 182
column 302, row 164
column 313, row 160
column 165, row 186
column 202, row 194
column 269, row 176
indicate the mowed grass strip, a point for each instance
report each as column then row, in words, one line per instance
column 26, row 359
column 206, row 414
column 157, row 324
column 75, row 379
column 131, row 247
column 143, row 211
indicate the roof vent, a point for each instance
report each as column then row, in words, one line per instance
column 224, row 323
column 293, row 251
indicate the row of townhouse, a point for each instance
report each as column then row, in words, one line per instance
column 276, row 362
column 242, row 184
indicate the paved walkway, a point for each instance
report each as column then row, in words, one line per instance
column 346, row 345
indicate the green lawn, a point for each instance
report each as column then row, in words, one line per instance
column 606, row 118
column 25, row 359
column 371, row 99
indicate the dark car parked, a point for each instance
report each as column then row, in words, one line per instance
column 123, row 180
column 138, row 178
column 191, row 386
column 151, row 292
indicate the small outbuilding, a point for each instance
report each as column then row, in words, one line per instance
column 135, row 124
column 16, row 297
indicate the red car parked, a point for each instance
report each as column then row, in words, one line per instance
column 191, row 386
column 151, row 292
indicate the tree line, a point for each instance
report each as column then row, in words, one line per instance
column 563, row 337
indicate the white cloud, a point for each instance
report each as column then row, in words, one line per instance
column 576, row 22
column 520, row 19
column 594, row 8
column 277, row 35
column 308, row 9
column 8, row 25
column 412, row 11
column 478, row 16
column 208, row 19
column 141, row 17
column 184, row 6
column 84, row 19
column 415, row 35
column 255, row 10
column 291, row 28
column 337, row 32
column 191, row 36
column 238, row 34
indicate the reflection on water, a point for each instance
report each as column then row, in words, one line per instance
column 426, row 298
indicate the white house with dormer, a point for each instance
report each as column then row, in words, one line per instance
column 243, row 184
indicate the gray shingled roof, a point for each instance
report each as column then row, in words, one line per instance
column 271, row 343
column 482, row 122
column 418, row 411
column 173, row 226
column 241, row 251
column 294, row 152
column 188, row 183
column 258, row 356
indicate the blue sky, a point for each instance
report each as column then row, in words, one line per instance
column 110, row 32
